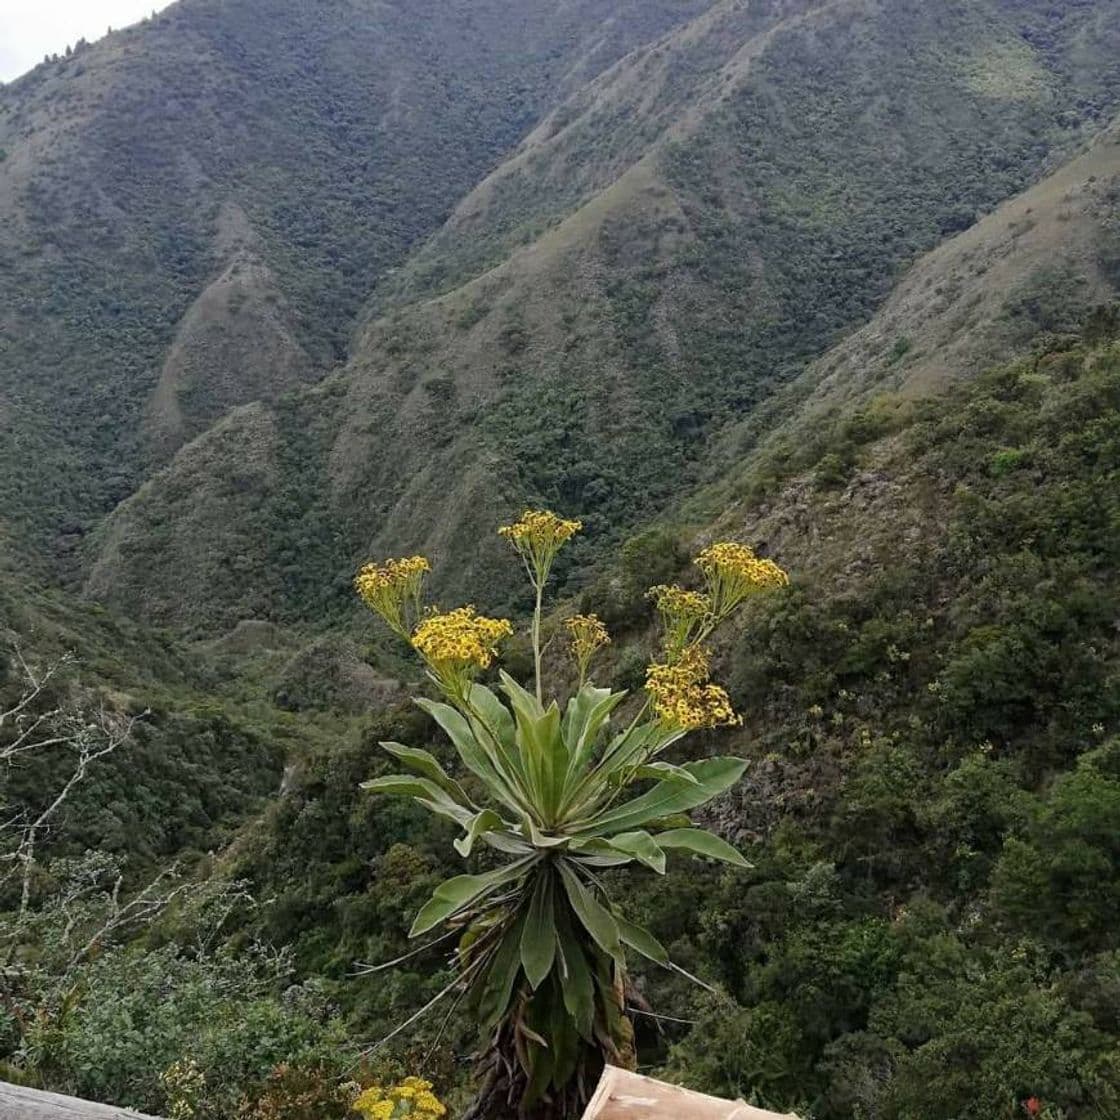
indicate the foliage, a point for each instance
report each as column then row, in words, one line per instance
column 314, row 148
column 149, row 1026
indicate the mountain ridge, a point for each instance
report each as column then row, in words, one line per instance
column 598, row 367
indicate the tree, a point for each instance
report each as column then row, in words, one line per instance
column 541, row 955
column 37, row 722
column 44, row 719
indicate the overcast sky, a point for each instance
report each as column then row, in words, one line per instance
column 30, row 29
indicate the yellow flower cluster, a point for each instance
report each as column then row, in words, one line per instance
column 679, row 602
column 733, row 572
column 538, row 536
column 412, row 1098
column 459, row 641
column 540, row 528
column 392, row 589
column 587, row 635
column 684, row 698
column 683, row 614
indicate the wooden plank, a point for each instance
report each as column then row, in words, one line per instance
column 622, row 1095
column 17, row 1103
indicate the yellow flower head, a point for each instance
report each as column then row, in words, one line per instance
column 682, row 695
column 372, row 1104
column 460, row 642
column 392, row 590
column 538, row 536
column 733, row 572
column 412, row 1098
column 587, row 635
column 683, row 614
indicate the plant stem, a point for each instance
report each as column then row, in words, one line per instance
column 539, row 585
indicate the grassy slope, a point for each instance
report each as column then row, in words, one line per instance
column 304, row 147
column 744, row 193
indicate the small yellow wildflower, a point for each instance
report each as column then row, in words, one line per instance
column 392, row 590
column 428, row 1104
column 372, row 1104
column 733, row 572
column 538, row 536
column 458, row 643
column 690, row 666
column 184, row 1083
column 588, row 635
column 683, row 697
column 683, row 614
column 412, row 1098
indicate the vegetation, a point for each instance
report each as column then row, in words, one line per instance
column 310, row 148
column 541, row 949
column 926, row 927
column 702, row 272
column 721, row 226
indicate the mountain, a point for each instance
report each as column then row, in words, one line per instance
column 675, row 242
column 286, row 286
column 193, row 211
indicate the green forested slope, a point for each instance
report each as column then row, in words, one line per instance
column 256, row 166
column 931, row 808
column 635, row 350
column 816, row 276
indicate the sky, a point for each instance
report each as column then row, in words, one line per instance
column 30, row 29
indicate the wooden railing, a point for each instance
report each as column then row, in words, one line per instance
column 17, row 1103
column 622, row 1095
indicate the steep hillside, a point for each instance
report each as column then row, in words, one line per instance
column 1038, row 263
column 931, row 810
column 717, row 210
column 192, row 211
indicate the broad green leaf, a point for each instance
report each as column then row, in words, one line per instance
column 625, row 746
column 474, row 754
column 538, row 938
column 593, row 915
column 586, row 714
column 546, row 840
column 641, row 940
column 509, row 842
column 496, row 989
column 494, row 727
column 564, row 1041
column 714, row 775
column 642, row 846
column 426, row 792
column 666, row 772
column 494, row 712
column 637, row 745
column 427, row 765
column 593, row 788
column 702, row 843
column 482, row 822
column 455, row 895
column 520, row 699
column 544, row 747
column 576, row 984
column 594, row 851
